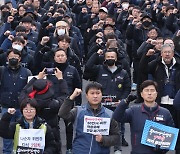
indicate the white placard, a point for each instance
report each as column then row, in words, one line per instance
column 32, row 138
column 96, row 125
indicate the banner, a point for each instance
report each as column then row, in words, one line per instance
column 109, row 100
column 26, row 150
column 96, row 125
column 32, row 138
column 158, row 134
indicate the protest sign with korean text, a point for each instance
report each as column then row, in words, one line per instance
column 32, row 139
column 27, row 150
column 158, row 134
column 109, row 100
column 96, row 125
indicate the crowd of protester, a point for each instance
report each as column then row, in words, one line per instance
column 117, row 43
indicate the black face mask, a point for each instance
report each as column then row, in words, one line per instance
column 61, row 66
column 5, row 13
column 59, row 18
column 110, row 62
column 146, row 23
column 13, row 62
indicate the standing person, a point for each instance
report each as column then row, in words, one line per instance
column 29, row 120
column 49, row 97
column 137, row 115
column 115, row 81
column 13, row 78
column 27, row 23
column 176, row 104
column 70, row 74
column 165, row 70
column 84, row 142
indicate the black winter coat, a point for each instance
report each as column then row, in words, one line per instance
column 157, row 69
column 117, row 83
column 48, row 108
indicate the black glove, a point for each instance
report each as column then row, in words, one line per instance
column 45, row 24
column 45, row 49
column 159, row 150
column 130, row 98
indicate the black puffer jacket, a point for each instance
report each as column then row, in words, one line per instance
column 49, row 107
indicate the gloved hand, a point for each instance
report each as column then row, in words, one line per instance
column 131, row 97
column 45, row 49
column 45, row 24
column 159, row 150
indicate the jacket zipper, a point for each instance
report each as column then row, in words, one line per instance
column 91, row 145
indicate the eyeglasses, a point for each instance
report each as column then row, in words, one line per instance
column 29, row 110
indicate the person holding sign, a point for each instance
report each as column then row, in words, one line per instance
column 31, row 134
column 94, row 129
column 176, row 104
column 137, row 115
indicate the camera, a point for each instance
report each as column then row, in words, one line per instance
column 50, row 71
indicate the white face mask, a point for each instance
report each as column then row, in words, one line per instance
column 17, row 47
column 61, row 32
column 125, row 5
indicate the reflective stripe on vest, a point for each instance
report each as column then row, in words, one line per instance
column 16, row 135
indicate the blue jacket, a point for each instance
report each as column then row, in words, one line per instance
column 136, row 116
column 176, row 102
column 84, row 143
column 12, row 82
column 92, row 146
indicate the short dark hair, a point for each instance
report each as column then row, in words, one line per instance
column 22, row 5
column 24, row 35
column 60, row 49
column 93, row 85
column 20, row 29
column 15, row 51
column 4, row 6
column 112, row 50
column 147, row 83
column 160, row 38
column 31, row 101
column 18, row 39
column 112, row 17
column 170, row 7
column 64, row 37
column 27, row 19
column 137, row 8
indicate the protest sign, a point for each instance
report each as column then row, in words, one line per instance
column 96, row 125
column 109, row 100
column 26, row 150
column 157, row 134
column 31, row 138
